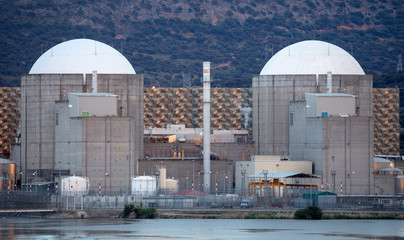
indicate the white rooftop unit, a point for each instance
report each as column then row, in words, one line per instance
column 92, row 104
column 330, row 104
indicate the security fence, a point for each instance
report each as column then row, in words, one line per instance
column 41, row 200
column 24, row 200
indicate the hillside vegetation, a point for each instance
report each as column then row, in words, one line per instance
column 167, row 40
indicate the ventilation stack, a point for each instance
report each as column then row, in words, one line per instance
column 94, row 82
column 206, row 127
column 329, row 82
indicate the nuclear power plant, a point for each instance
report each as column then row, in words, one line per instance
column 311, row 121
column 82, row 114
column 333, row 125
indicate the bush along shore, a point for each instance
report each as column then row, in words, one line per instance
column 131, row 211
column 307, row 213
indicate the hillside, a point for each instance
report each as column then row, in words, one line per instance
column 167, row 40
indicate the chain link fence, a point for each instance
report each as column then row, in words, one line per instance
column 41, row 200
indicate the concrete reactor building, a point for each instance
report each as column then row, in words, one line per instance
column 313, row 102
column 82, row 114
column 311, row 119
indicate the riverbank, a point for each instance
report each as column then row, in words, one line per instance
column 275, row 214
column 228, row 214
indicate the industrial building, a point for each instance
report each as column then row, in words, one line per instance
column 291, row 73
column 84, row 111
column 101, row 145
column 266, row 170
column 326, row 130
column 337, row 143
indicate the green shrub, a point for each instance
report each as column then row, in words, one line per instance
column 311, row 212
column 127, row 210
column 145, row 212
column 138, row 211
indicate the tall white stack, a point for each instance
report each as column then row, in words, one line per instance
column 206, row 127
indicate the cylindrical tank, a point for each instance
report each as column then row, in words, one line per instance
column 162, row 177
column 172, row 185
column 144, row 186
column 75, row 185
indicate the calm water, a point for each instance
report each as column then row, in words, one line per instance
column 24, row 228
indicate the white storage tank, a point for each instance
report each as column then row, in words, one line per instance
column 144, row 186
column 172, row 185
column 75, row 185
column 162, row 177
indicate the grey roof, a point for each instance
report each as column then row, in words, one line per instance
column 5, row 161
column 390, row 170
column 331, row 94
column 94, row 94
column 381, row 160
column 282, row 175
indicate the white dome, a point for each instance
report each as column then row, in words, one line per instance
column 312, row 57
column 82, row 56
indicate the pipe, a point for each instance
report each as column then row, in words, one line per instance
column 94, row 81
column 206, row 127
column 329, row 82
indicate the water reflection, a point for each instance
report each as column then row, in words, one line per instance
column 23, row 228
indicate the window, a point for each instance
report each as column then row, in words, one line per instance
column 192, row 153
column 163, row 153
column 57, row 119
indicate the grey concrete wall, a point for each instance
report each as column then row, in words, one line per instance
column 357, row 85
column 385, row 183
column 248, row 167
column 314, row 144
column 68, row 140
column 93, row 105
column 38, row 95
column 130, row 91
column 332, row 105
column 297, row 131
column 271, row 97
column 106, row 149
column 234, row 151
column 272, row 94
column 350, row 141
